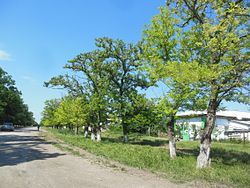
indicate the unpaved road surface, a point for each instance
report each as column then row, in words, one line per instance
column 27, row 161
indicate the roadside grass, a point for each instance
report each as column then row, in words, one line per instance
column 230, row 161
column 67, row 149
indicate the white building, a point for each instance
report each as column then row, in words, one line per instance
column 229, row 124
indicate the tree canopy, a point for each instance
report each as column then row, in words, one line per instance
column 12, row 107
column 209, row 41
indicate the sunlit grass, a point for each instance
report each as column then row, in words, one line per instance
column 230, row 161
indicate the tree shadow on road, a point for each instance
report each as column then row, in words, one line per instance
column 16, row 149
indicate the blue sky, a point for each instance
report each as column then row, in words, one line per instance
column 38, row 37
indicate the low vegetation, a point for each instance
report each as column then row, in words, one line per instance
column 230, row 161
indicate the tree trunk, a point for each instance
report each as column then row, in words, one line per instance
column 172, row 145
column 76, row 130
column 86, row 131
column 125, row 138
column 158, row 133
column 149, row 131
column 85, row 134
column 125, row 132
column 92, row 136
column 98, row 128
column 98, row 134
column 203, row 160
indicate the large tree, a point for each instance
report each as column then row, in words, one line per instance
column 109, row 76
column 165, row 65
column 88, row 79
column 122, row 63
column 214, row 34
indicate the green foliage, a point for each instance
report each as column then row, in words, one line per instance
column 144, row 116
column 122, row 68
column 12, row 107
column 111, row 76
column 49, row 118
column 215, row 34
column 72, row 111
column 92, row 85
column 166, row 63
column 186, row 45
column 70, row 83
column 69, row 111
column 200, row 50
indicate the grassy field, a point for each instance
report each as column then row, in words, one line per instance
column 230, row 161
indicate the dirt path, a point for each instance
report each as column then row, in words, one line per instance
column 26, row 161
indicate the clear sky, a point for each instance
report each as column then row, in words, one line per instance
column 37, row 37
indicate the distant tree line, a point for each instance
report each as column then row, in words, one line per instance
column 12, row 107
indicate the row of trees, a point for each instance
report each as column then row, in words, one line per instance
column 198, row 49
column 74, row 112
column 107, row 81
column 12, row 107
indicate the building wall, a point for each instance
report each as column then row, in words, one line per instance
column 221, row 125
column 222, row 122
column 198, row 121
column 191, row 121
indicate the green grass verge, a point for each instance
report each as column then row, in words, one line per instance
column 230, row 161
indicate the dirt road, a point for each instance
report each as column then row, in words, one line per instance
column 27, row 161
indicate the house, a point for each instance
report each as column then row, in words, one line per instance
column 229, row 124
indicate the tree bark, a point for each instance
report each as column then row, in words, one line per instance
column 93, row 133
column 92, row 136
column 98, row 128
column 125, row 132
column 86, row 128
column 76, row 130
column 159, row 133
column 203, row 160
column 149, row 131
column 98, row 134
column 171, row 138
column 125, row 138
